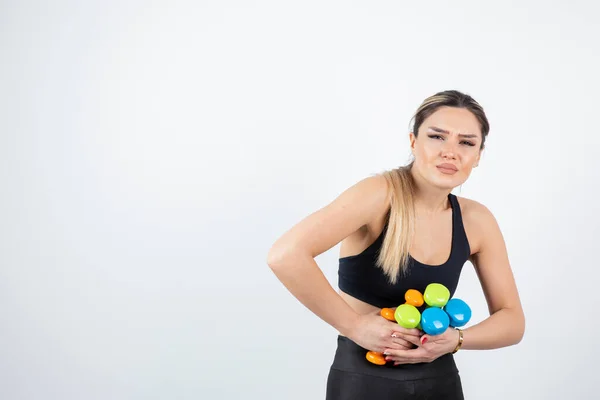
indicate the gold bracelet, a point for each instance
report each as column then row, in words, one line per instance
column 460, row 340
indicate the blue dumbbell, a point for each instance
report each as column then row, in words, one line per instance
column 458, row 312
column 434, row 321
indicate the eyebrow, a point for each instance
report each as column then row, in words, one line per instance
column 439, row 130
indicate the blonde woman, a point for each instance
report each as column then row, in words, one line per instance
column 399, row 230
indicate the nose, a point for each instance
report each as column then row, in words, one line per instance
column 448, row 151
column 448, row 155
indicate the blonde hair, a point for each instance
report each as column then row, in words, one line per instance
column 394, row 254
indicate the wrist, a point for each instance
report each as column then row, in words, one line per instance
column 349, row 324
column 459, row 341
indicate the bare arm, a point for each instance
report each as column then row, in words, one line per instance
column 292, row 256
column 506, row 324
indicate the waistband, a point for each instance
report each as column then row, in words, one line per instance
column 350, row 357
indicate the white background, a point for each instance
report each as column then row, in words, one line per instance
column 151, row 153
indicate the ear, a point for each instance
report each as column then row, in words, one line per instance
column 477, row 160
column 413, row 139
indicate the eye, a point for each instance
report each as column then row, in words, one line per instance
column 435, row 136
column 466, row 142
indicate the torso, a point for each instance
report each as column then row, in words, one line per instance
column 431, row 244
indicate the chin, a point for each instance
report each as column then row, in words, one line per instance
column 447, row 186
column 446, row 182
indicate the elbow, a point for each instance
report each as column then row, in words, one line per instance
column 513, row 322
column 521, row 332
column 280, row 258
column 519, row 329
column 277, row 257
column 274, row 258
column 518, row 337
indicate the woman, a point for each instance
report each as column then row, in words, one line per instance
column 399, row 230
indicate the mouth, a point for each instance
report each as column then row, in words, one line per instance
column 448, row 169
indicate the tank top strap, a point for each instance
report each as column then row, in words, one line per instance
column 459, row 235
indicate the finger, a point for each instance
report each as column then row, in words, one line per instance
column 396, row 363
column 404, row 343
column 409, row 338
column 400, row 344
column 412, row 354
column 392, row 358
column 412, row 332
column 426, row 338
column 404, row 360
column 398, row 354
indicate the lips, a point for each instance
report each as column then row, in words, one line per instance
column 448, row 166
column 448, row 169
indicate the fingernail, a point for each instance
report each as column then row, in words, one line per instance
column 424, row 340
column 396, row 363
column 394, row 335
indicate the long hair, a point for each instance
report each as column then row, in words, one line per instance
column 393, row 256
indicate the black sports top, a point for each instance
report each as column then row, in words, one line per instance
column 360, row 277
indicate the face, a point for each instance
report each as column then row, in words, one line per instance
column 447, row 147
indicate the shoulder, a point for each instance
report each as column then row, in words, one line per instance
column 375, row 187
column 377, row 182
column 478, row 220
column 374, row 193
column 473, row 209
column 367, row 197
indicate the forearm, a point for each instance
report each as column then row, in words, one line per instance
column 503, row 328
column 301, row 275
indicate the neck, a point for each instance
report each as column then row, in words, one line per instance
column 428, row 199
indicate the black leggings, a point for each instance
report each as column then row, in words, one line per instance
column 352, row 377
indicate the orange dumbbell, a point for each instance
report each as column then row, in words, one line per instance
column 414, row 298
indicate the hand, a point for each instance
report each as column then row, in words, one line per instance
column 375, row 333
column 430, row 348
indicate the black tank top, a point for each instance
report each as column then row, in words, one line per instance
column 359, row 276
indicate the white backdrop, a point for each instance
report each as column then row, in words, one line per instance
column 151, row 153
